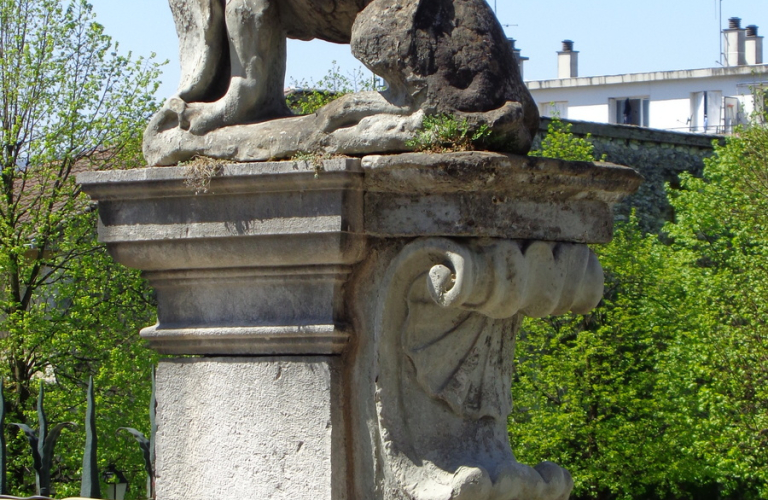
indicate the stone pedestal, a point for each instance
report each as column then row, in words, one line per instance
column 356, row 317
column 250, row 427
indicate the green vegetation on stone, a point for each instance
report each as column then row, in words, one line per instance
column 443, row 133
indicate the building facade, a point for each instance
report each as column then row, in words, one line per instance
column 709, row 100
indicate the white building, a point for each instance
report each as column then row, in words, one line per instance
column 711, row 100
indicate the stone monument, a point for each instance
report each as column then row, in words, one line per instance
column 348, row 324
column 437, row 56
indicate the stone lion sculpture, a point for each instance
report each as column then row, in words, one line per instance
column 437, row 56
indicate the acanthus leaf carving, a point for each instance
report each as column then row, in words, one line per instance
column 445, row 335
column 462, row 352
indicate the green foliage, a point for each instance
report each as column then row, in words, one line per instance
column 759, row 115
column 440, row 133
column 94, row 332
column 720, row 241
column 69, row 101
column 587, row 395
column 559, row 142
column 147, row 446
column 311, row 96
column 306, row 102
column 661, row 392
column 3, row 480
column 43, row 443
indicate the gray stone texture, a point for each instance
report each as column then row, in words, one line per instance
column 438, row 56
column 249, row 428
column 392, row 286
column 445, row 56
column 437, row 321
column 659, row 156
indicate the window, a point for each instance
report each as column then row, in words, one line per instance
column 753, row 97
column 734, row 114
column 706, row 112
column 760, row 104
column 557, row 109
column 630, row 110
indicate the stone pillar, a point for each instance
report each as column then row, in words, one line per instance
column 355, row 319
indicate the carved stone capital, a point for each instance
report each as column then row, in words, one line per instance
column 392, row 286
column 444, row 335
column 253, row 266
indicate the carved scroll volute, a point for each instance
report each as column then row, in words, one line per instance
column 503, row 278
column 446, row 345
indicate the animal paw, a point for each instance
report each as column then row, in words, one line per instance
column 471, row 483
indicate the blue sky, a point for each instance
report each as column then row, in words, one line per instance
column 612, row 36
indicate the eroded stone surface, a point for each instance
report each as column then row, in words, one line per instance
column 248, row 428
column 438, row 56
column 437, row 321
column 409, row 273
column 258, row 264
column 445, row 56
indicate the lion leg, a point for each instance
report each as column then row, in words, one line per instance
column 257, row 52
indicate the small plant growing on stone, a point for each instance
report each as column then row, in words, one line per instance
column 42, row 444
column 442, row 133
column 315, row 160
column 310, row 158
column 200, row 171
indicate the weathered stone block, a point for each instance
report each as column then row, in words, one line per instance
column 249, row 428
column 409, row 274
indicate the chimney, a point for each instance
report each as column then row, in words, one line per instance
column 567, row 61
column 734, row 39
column 520, row 59
column 753, row 46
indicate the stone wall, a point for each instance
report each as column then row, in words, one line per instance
column 658, row 155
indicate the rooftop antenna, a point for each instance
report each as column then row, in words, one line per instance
column 508, row 25
column 720, row 20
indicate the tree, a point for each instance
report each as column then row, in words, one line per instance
column 587, row 394
column 307, row 97
column 720, row 241
column 68, row 102
column 661, row 391
column 585, row 386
